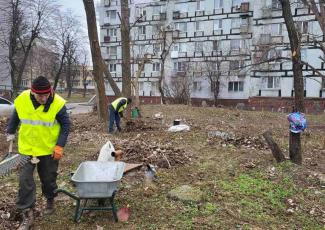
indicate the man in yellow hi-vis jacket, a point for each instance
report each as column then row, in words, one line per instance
column 44, row 128
column 116, row 111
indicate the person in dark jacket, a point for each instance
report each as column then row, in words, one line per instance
column 43, row 132
column 116, row 111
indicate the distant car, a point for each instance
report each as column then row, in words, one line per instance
column 6, row 107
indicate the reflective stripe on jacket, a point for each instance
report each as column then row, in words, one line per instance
column 115, row 103
column 39, row 131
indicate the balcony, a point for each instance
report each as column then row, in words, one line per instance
column 244, row 7
column 217, row 32
column 199, row 13
column 278, row 39
column 264, row 39
column 244, row 29
column 176, row 15
column 199, row 33
column 267, row 12
column 159, row 17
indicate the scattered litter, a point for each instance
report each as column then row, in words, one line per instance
column 222, row 135
column 158, row 115
column 123, row 214
column 179, row 128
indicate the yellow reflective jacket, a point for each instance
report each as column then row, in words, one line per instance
column 115, row 103
column 39, row 131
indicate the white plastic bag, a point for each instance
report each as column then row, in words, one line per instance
column 106, row 151
column 179, row 128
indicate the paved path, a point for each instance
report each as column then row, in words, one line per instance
column 76, row 108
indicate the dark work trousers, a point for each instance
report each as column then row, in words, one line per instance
column 113, row 117
column 47, row 171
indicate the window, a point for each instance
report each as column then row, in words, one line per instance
column 156, row 29
column 156, row 10
column 111, row 32
column 271, row 82
column 112, row 50
column 303, row 53
column 111, row 14
column 323, row 83
column 217, row 45
column 181, row 7
column 180, row 47
column 141, row 86
column 217, row 24
column 234, row 65
column 179, row 66
column 24, row 82
column 273, row 54
column 236, row 3
column 302, row 27
column 156, row 66
column 273, row 29
column 199, row 26
column 235, row 44
column 218, row 4
column 154, row 87
column 235, row 22
column 157, row 47
column 198, row 46
column 276, row 5
column 197, row 86
column 199, row 5
column 214, row 86
column 235, row 86
column 142, row 30
column 4, row 101
column 112, row 68
column 181, row 26
column 142, row 48
column 141, row 12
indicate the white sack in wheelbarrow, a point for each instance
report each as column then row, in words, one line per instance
column 179, row 128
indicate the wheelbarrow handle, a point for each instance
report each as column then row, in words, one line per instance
column 73, row 196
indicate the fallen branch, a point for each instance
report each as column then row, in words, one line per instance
column 276, row 151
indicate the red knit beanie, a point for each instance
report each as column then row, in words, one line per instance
column 41, row 85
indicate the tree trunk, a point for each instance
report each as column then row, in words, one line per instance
column 58, row 74
column 276, row 151
column 68, row 77
column 160, row 82
column 97, row 59
column 126, row 66
column 294, row 142
column 136, row 84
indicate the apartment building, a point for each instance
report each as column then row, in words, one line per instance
column 232, row 38
column 5, row 81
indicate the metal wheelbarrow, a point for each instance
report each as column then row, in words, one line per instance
column 97, row 181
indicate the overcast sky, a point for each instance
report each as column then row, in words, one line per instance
column 77, row 7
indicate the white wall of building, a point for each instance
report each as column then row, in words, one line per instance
column 272, row 79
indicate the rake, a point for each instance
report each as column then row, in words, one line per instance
column 12, row 161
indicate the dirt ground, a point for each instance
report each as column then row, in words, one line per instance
column 223, row 155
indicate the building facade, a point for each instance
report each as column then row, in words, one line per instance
column 5, row 81
column 233, row 39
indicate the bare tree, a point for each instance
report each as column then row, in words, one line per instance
column 97, row 59
column 166, row 46
column 294, row 141
column 26, row 20
column 179, row 89
column 65, row 29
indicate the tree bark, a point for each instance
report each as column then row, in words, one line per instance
column 97, row 59
column 294, row 142
column 276, row 151
column 126, row 64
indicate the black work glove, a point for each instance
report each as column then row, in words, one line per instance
column 121, row 114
